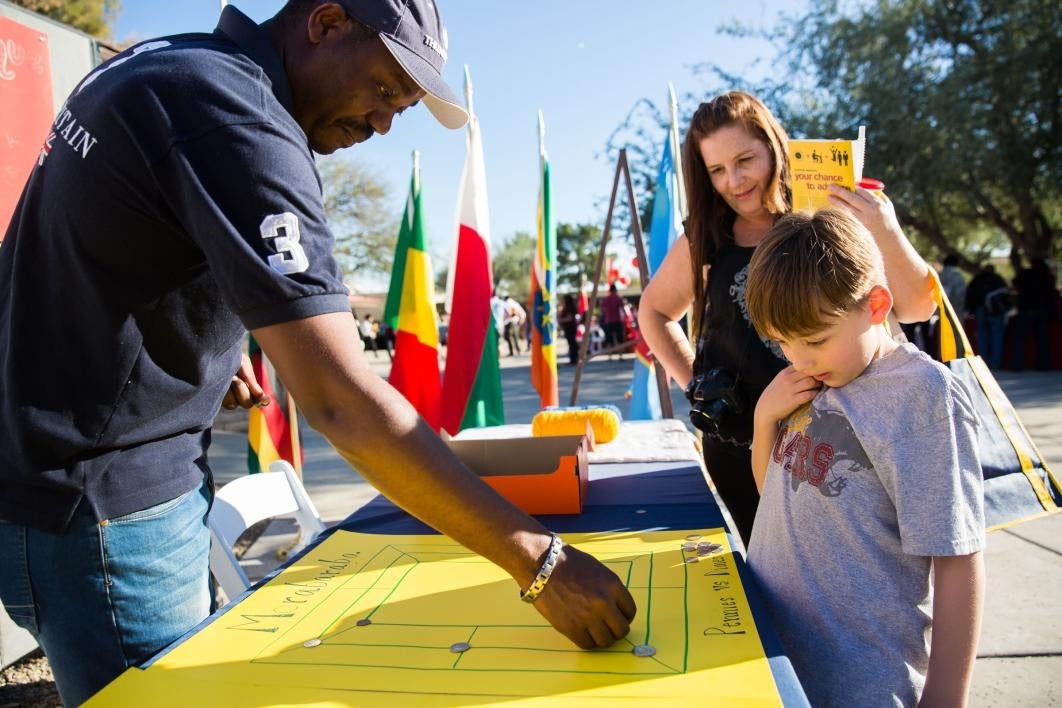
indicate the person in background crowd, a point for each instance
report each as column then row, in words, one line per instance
column 515, row 319
column 988, row 298
column 1036, row 298
column 385, row 337
column 920, row 334
column 368, row 335
column 500, row 313
column 954, row 284
column 612, row 311
column 568, row 320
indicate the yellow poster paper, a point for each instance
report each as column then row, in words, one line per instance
column 421, row 621
column 816, row 164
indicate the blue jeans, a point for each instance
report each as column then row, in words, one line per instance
column 106, row 595
column 1035, row 324
column 990, row 337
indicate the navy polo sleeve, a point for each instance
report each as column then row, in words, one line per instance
column 249, row 195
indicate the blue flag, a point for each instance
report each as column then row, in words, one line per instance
column 665, row 227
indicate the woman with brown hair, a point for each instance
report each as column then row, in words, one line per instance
column 737, row 184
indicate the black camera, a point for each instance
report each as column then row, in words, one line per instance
column 711, row 395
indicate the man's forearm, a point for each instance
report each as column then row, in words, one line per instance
column 418, row 472
column 380, row 434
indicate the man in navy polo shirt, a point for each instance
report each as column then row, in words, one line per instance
column 174, row 205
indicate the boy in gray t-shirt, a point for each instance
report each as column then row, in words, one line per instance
column 867, row 542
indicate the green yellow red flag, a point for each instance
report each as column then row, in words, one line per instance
column 415, row 368
column 543, row 294
column 269, row 432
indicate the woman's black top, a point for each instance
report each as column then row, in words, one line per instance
column 728, row 341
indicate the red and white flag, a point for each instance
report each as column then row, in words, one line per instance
column 471, row 389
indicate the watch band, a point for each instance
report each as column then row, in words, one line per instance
column 533, row 591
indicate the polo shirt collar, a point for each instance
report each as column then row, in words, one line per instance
column 249, row 37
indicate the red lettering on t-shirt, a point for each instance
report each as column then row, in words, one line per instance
column 796, row 456
column 776, row 451
column 823, row 456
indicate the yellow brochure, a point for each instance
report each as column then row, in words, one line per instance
column 816, row 164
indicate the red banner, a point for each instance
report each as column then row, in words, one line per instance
column 26, row 114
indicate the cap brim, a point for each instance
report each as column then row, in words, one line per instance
column 440, row 100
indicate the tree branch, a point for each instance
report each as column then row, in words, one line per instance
column 993, row 213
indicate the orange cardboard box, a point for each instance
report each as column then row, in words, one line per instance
column 541, row 475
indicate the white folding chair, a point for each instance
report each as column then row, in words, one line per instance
column 244, row 502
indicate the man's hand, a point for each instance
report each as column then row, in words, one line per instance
column 586, row 602
column 244, row 389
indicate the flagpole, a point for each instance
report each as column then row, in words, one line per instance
column 676, row 153
column 541, row 133
column 293, row 426
column 468, row 95
column 543, row 354
column 536, row 263
column 680, row 183
column 296, row 463
column 416, row 170
column 451, row 271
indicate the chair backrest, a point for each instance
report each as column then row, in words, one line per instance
column 244, row 502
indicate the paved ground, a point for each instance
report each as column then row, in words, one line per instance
column 1020, row 656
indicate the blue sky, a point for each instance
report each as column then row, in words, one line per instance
column 584, row 63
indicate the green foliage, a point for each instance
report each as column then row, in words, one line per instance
column 577, row 249
column 355, row 201
column 442, row 274
column 642, row 134
column 962, row 103
column 512, row 266
column 93, row 17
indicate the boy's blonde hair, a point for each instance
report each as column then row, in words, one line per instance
column 809, row 269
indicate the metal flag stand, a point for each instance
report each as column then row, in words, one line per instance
column 643, row 274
